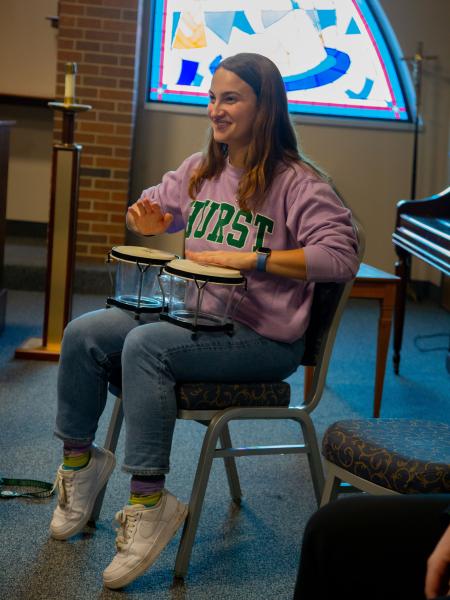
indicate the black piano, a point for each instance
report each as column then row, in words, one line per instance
column 422, row 229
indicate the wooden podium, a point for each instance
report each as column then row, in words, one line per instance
column 61, row 233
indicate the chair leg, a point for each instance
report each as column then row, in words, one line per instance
column 230, row 467
column 112, row 437
column 197, row 496
column 331, row 489
column 315, row 462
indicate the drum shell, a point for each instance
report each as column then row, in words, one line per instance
column 132, row 277
column 135, row 284
column 174, row 290
column 185, row 301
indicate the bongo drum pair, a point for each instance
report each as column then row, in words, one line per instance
column 149, row 280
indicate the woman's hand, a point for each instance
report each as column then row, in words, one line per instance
column 437, row 582
column 242, row 261
column 286, row 263
column 145, row 217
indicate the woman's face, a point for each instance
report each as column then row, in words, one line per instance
column 232, row 110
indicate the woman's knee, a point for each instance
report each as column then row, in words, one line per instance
column 146, row 347
column 95, row 330
column 76, row 333
column 138, row 342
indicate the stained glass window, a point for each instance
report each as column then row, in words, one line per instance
column 338, row 58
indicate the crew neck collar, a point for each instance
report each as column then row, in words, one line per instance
column 235, row 171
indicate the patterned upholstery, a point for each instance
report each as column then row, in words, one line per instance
column 209, row 396
column 407, row 456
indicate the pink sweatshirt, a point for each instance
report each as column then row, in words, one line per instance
column 300, row 211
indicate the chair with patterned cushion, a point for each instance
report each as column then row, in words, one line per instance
column 217, row 404
column 386, row 456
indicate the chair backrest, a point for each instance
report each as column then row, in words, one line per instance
column 323, row 312
column 328, row 305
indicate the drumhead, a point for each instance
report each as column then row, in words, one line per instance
column 141, row 254
column 188, row 269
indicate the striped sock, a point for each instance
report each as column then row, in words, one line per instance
column 76, row 456
column 146, row 490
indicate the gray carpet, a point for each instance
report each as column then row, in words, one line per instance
column 251, row 552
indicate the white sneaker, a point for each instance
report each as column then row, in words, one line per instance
column 77, row 492
column 141, row 537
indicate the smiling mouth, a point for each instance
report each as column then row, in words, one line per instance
column 221, row 124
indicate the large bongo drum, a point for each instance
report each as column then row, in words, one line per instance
column 185, row 284
column 136, row 285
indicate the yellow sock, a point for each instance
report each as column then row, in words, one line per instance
column 148, row 501
column 76, row 461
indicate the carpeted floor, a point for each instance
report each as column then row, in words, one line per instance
column 251, row 552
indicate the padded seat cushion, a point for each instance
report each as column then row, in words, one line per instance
column 407, row 456
column 209, row 396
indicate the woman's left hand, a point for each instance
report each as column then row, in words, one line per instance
column 243, row 261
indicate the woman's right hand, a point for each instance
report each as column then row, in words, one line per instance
column 145, row 217
column 437, row 582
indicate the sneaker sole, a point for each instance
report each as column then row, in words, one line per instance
column 103, row 478
column 124, row 580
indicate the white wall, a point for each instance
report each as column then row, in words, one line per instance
column 29, row 172
column 28, row 68
column 27, row 48
column 372, row 168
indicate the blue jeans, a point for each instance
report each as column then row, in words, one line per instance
column 154, row 355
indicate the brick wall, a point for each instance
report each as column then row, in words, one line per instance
column 101, row 36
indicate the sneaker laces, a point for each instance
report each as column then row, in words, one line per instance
column 127, row 526
column 63, row 484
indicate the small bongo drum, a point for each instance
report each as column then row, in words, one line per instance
column 184, row 283
column 136, row 286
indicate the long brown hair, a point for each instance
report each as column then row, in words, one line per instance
column 273, row 141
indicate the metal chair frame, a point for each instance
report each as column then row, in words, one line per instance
column 339, row 481
column 320, row 338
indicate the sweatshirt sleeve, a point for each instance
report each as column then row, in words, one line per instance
column 172, row 193
column 322, row 226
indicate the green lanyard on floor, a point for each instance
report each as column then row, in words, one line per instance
column 47, row 489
